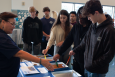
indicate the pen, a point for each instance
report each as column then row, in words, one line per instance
column 68, row 60
column 56, row 63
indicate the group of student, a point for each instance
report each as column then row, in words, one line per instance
column 90, row 31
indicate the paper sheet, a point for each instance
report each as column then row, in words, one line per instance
column 28, row 63
column 23, row 65
column 42, row 70
column 35, row 64
column 29, row 70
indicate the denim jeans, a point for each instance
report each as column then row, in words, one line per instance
column 89, row 74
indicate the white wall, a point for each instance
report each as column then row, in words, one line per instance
column 55, row 5
column 5, row 5
column 17, row 4
column 108, row 2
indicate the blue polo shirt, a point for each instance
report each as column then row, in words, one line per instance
column 9, row 65
column 47, row 25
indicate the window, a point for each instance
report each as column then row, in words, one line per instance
column 77, row 6
column 108, row 10
column 114, row 15
column 68, row 6
column 111, row 11
column 71, row 6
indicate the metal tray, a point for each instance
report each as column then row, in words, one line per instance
column 59, row 63
column 60, row 69
column 66, row 73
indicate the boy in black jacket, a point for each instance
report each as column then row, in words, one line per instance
column 99, row 41
column 32, row 32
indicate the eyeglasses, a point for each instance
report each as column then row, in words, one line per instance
column 13, row 24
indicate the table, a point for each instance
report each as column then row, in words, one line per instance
column 20, row 74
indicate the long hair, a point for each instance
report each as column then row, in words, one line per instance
column 87, row 22
column 78, row 13
column 67, row 23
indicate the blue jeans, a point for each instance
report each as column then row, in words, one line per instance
column 89, row 74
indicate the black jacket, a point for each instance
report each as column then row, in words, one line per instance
column 75, row 36
column 32, row 31
column 99, row 45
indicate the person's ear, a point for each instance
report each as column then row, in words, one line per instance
column 3, row 22
column 96, row 12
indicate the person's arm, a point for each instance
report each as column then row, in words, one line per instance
column 68, row 42
column 71, row 33
column 46, row 35
column 59, row 44
column 43, row 26
column 81, row 46
column 29, row 57
column 51, row 40
column 9, row 49
column 21, row 54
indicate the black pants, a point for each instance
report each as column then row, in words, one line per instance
column 43, row 46
column 78, row 67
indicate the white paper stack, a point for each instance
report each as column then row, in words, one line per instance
column 43, row 70
column 35, row 64
column 28, row 68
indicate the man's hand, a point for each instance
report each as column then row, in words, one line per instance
column 45, row 51
column 47, row 38
column 71, row 53
column 57, row 56
column 45, row 62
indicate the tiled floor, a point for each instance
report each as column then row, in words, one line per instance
column 111, row 72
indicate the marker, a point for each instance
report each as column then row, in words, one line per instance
column 45, row 56
column 56, row 63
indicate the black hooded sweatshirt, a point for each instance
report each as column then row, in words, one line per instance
column 99, row 46
column 32, row 31
column 75, row 36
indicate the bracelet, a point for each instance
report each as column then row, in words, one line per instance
column 40, row 60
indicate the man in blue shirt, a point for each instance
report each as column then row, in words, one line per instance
column 47, row 22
